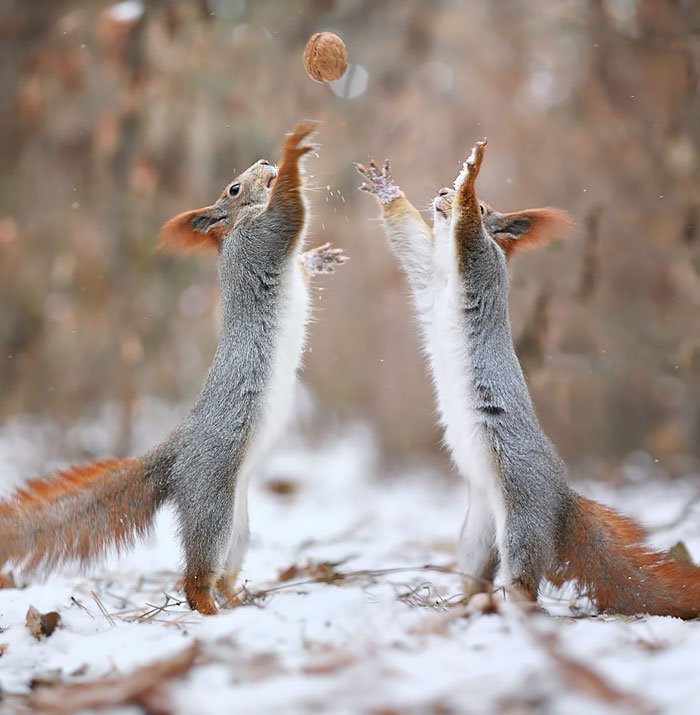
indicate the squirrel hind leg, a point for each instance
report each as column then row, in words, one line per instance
column 524, row 559
column 480, row 581
column 226, row 587
column 477, row 555
column 199, row 589
column 523, row 591
column 206, row 536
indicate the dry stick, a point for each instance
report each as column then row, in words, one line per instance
column 125, row 599
column 424, row 596
column 343, row 576
column 172, row 602
column 83, row 607
column 102, row 608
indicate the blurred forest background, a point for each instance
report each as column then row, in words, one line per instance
column 117, row 116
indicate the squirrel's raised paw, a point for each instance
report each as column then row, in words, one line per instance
column 378, row 181
column 323, row 260
column 294, row 146
column 472, row 166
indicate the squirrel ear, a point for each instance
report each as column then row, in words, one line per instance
column 521, row 230
column 193, row 231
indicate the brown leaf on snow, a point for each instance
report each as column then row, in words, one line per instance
column 329, row 660
column 324, row 571
column 51, row 677
column 283, row 487
column 146, row 687
column 583, row 679
column 3, row 649
column 680, row 552
column 41, row 625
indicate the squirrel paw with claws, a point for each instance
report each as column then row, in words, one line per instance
column 379, row 181
column 323, row 259
column 472, row 166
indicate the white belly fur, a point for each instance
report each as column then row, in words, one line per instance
column 448, row 351
column 294, row 301
column 279, row 398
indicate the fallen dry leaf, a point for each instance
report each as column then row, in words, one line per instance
column 329, row 660
column 146, row 687
column 323, row 571
column 680, row 552
column 284, row 487
column 50, row 677
column 41, row 625
column 580, row 677
column 3, row 649
column 80, row 670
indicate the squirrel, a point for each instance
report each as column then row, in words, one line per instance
column 202, row 468
column 522, row 514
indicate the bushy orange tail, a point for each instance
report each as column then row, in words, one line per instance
column 77, row 514
column 606, row 554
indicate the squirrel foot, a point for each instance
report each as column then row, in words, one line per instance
column 199, row 595
column 226, row 587
column 323, row 260
column 472, row 166
column 471, row 586
column 379, row 181
column 524, row 598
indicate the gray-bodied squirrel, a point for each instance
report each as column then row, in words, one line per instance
column 202, row 468
column 522, row 514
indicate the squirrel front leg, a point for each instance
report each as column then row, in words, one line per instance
column 286, row 209
column 321, row 260
column 466, row 209
column 410, row 237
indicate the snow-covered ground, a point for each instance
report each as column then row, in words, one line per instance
column 389, row 639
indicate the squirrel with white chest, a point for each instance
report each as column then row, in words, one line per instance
column 522, row 515
column 202, row 468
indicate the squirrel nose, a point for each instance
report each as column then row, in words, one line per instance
column 264, row 161
column 443, row 192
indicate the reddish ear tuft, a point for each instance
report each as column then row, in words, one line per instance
column 191, row 231
column 542, row 226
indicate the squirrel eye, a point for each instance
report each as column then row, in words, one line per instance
column 234, row 189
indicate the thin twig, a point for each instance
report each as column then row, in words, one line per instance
column 102, row 608
column 365, row 573
column 82, row 607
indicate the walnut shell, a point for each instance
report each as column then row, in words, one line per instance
column 325, row 57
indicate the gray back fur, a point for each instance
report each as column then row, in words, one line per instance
column 196, row 467
column 532, row 473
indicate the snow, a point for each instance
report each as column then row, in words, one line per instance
column 390, row 642
column 466, row 168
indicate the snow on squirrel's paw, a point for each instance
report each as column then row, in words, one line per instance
column 323, row 259
column 379, row 181
column 472, row 166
